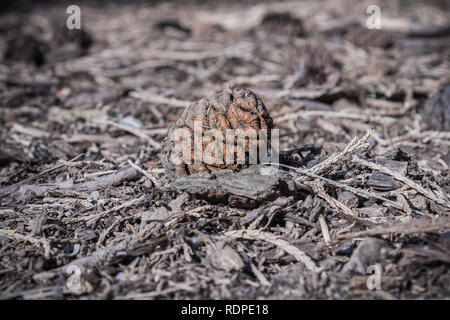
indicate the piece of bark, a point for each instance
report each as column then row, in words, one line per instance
column 270, row 211
column 422, row 225
column 398, row 166
column 381, row 181
column 312, row 66
column 257, row 183
column 223, row 256
column 37, row 224
column 282, row 23
column 10, row 152
column 113, row 179
column 102, row 95
column 436, row 112
column 163, row 213
column 110, row 254
column 368, row 253
column 349, row 199
column 372, row 211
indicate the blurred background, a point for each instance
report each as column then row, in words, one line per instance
column 129, row 56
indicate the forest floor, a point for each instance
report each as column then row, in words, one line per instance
column 85, row 212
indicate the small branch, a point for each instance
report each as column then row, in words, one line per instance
column 354, row 145
column 423, row 225
column 112, row 179
column 146, row 174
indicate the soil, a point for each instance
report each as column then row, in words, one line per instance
column 87, row 209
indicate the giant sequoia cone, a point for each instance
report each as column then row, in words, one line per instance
column 237, row 109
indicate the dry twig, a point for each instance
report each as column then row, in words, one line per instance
column 423, row 225
column 353, row 146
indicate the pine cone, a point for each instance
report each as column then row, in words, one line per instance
column 236, row 108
